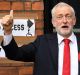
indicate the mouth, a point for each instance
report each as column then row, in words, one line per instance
column 65, row 27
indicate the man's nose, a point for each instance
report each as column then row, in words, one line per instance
column 64, row 19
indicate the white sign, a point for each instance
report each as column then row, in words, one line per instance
column 21, row 27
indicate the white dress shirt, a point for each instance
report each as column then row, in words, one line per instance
column 73, row 54
column 7, row 39
column 2, row 52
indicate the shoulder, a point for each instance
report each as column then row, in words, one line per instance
column 48, row 36
column 44, row 39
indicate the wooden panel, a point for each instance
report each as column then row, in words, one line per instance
column 10, row 67
column 26, row 71
column 8, row 71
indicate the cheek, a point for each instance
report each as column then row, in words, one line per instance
column 56, row 23
column 72, row 22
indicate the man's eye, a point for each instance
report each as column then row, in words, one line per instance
column 69, row 17
column 59, row 17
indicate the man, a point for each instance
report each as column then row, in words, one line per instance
column 47, row 50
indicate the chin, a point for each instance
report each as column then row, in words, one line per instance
column 65, row 33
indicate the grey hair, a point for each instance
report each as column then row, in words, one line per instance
column 61, row 4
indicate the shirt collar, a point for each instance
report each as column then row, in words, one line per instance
column 60, row 38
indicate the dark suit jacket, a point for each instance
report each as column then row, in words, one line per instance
column 43, row 51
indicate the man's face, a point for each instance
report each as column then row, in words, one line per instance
column 64, row 21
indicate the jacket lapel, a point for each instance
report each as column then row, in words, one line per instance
column 53, row 45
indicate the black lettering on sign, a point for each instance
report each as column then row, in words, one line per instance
column 15, row 27
column 22, row 27
column 18, row 27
